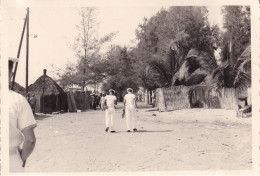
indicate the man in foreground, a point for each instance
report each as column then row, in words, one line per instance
column 21, row 128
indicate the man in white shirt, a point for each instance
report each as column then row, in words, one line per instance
column 110, row 101
column 130, row 110
column 21, row 128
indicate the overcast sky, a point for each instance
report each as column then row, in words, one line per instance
column 55, row 27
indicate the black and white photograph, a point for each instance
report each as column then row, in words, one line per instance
column 128, row 88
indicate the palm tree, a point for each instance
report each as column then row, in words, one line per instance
column 238, row 76
column 243, row 67
column 196, row 68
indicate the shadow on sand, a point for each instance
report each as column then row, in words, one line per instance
column 144, row 131
column 41, row 116
column 149, row 131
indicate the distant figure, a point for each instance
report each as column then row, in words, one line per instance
column 110, row 101
column 21, row 128
column 90, row 102
column 98, row 101
column 102, row 102
column 32, row 102
column 130, row 110
column 94, row 102
column 153, row 98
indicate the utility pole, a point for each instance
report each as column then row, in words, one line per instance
column 19, row 50
column 27, row 50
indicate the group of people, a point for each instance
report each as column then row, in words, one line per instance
column 108, row 103
column 96, row 101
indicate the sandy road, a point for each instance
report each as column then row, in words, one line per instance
column 194, row 139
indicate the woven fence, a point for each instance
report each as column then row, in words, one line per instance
column 175, row 97
column 82, row 100
column 228, row 99
column 184, row 97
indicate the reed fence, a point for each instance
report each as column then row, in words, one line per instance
column 185, row 97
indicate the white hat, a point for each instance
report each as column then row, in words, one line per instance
column 129, row 90
column 13, row 59
column 111, row 90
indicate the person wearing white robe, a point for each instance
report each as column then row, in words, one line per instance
column 110, row 101
column 21, row 128
column 130, row 110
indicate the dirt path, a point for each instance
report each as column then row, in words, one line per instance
column 193, row 139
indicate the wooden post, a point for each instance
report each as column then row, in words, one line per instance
column 19, row 50
column 27, row 51
column 161, row 101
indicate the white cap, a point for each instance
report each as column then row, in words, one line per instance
column 13, row 59
column 111, row 90
column 129, row 89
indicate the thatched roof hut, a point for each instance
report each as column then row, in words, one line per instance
column 45, row 85
column 50, row 96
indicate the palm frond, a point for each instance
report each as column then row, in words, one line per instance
column 243, row 69
column 159, row 68
column 207, row 62
column 242, row 80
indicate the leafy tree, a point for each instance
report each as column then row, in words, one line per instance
column 166, row 38
column 119, row 71
column 237, row 32
column 66, row 77
column 86, row 46
column 235, row 49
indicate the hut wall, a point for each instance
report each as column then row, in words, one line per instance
column 228, row 99
column 38, row 103
column 52, row 103
column 72, row 107
column 203, row 97
column 82, row 100
column 78, row 101
column 160, row 99
column 183, row 97
column 88, row 100
column 176, row 97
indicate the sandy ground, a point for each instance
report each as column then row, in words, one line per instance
column 193, row 139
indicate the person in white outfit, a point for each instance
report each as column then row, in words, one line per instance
column 110, row 101
column 21, row 128
column 130, row 110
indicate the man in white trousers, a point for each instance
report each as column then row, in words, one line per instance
column 110, row 101
column 130, row 110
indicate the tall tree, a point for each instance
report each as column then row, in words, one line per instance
column 87, row 46
column 237, row 32
column 235, row 43
column 166, row 38
column 119, row 70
